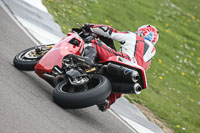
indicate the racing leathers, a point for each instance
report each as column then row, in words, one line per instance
column 133, row 48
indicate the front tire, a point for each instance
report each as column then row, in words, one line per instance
column 27, row 59
column 24, row 63
column 99, row 88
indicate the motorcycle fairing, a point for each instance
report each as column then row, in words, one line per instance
column 58, row 52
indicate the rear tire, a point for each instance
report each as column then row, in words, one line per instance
column 24, row 63
column 99, row 89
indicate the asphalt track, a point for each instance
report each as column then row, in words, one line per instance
column 25, row 99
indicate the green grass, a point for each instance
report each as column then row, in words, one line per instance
column 174, row 76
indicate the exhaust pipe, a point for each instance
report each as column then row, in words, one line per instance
column 123, row 72
column 137, row 88
column 135, row 76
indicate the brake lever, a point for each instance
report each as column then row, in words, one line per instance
column 81, row 27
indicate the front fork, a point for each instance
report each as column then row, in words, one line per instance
column 43, row 49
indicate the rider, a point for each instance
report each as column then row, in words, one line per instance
column 137, row 47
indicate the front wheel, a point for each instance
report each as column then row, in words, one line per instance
column 27, row 59
column 96, row 91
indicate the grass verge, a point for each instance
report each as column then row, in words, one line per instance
column 173, row 94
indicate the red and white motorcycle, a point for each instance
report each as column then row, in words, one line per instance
column 76, row 84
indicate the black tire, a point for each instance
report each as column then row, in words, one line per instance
column 98, row 92
column 25, row 64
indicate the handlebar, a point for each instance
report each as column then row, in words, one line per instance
column 81, row 27
column 86, row 36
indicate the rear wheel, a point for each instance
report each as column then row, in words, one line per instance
column 96, row 91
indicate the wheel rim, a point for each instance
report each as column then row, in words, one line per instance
column 30, row 55
column 67, row 88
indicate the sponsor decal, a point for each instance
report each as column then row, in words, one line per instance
column 149, row 36
column 60, row 48
column 127, row 71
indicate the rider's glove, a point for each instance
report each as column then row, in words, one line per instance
column 86, row 27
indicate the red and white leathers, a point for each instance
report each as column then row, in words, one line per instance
column 133, row 48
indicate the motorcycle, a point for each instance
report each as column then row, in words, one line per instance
column 77, row 84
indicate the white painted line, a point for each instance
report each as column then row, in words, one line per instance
column 37, row 4
column 40, row 34
column 12, row 16
column 126, row 123
column 140, row 128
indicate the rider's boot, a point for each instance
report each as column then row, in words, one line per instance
column 90, row 53
column 103, row 106
column 89, row 56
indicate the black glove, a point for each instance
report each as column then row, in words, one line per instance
column 86, row 27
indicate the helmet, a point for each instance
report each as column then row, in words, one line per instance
column 149, row 33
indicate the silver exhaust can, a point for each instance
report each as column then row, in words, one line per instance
column 137, row 88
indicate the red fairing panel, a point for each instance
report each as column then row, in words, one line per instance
column 56, row 54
